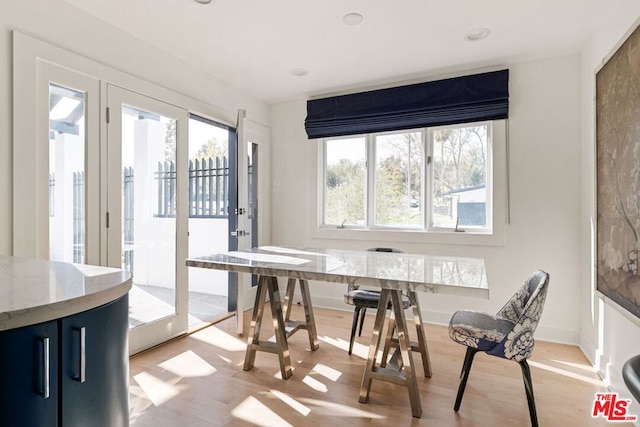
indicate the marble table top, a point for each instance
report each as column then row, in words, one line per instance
column 416, row 272
column 34, row 291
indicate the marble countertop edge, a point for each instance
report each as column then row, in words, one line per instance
column 59, row 309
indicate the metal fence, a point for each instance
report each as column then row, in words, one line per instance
column 208, row 188
column 208, row 198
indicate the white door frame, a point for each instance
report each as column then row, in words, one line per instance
column 250, row 131
column 161, row 330
column 31, row 167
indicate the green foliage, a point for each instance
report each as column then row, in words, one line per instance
column 399, row 180
column 170, row 141
column 345, row 192
column 213, row 148
column 459, row 158
column 459, row 161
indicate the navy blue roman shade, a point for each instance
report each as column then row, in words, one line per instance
column 442, row 102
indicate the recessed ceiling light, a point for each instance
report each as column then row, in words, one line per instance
column 352, row 18
column 204, row 1
column 477, row 34
column 299, row 72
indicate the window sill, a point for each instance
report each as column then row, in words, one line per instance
column 497, row 238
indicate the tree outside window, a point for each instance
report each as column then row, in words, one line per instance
column 423, row 179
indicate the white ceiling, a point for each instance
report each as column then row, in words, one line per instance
column 253, row 44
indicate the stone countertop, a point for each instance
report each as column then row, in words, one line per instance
column 415, row 272
column 34, row 291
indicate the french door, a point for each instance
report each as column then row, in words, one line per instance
column 101, row 178
column 147, row 211
column 252, row 204
column 56, row 181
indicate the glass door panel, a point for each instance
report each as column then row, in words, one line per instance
column 208, row 218
column 252, row 201
column 147, row 205
column 253, row 181
column 56, row 187
column 66, row 174
column 148, row 216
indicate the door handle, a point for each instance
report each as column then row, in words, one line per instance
column 82, row 355
column 45, row 368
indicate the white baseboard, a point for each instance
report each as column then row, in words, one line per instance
column 558, row 335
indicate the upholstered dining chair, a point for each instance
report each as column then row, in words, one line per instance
column 507, row 334
column 362, row 299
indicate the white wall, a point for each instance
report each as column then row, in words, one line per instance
column 205, row 239
column 609, row 335
column 545, row 199
column 60, row 24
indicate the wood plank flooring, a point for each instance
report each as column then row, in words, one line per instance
column 198, row 380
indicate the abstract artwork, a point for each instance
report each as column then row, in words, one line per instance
column 618, row 175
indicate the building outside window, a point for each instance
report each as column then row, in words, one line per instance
column 430, row 179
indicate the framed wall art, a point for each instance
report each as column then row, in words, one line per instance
column 618, row 175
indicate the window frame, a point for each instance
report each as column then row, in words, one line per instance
column 323, row 180
column 489, row 184
column 497, row 196
column 371, row 174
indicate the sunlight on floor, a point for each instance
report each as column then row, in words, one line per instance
column 291, row 402
column 336, row 409
column 359, row 350
column 256, row 412
column 220, row 339
column 157, row 390
column 315, row 384
column 327, row 372
column 580, row 366
column 188, row 364
column 566, row 373
column 225, row 359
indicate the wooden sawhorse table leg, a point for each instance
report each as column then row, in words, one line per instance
column 283, row 329
column 254, row 344
column 292, row 326
column 396, row 372
column 420, row 346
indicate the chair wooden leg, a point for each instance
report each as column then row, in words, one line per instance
column 466, row 368
column 354, row 326
column 364, row 311
column 467, row 355
column 528, row 387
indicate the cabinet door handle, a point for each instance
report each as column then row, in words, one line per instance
column 82, row 355
column 45, row 368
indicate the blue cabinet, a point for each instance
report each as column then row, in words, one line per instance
column 88, row 370
column 29, row 376
column 95, row 367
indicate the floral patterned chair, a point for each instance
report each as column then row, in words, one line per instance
column 362, row 299
column 508, row 334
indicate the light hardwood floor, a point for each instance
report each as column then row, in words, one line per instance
column 198, row 380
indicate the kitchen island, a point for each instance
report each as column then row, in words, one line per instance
column 63, row 344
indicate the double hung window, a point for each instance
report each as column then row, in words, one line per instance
column 433, row 179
